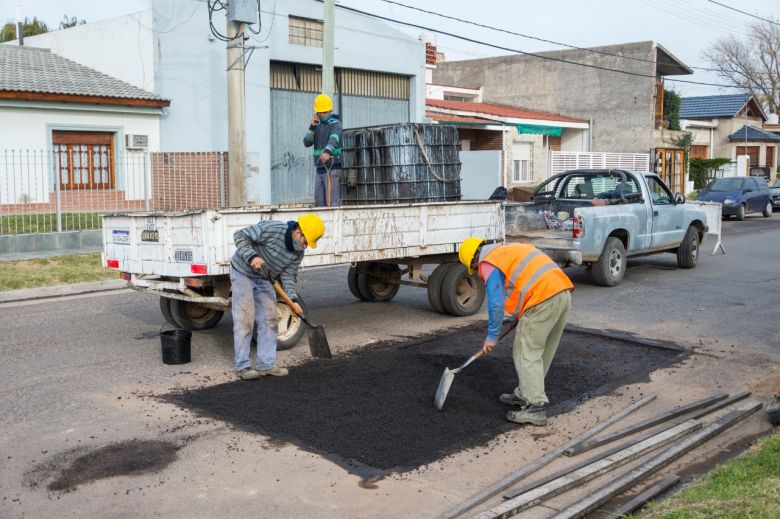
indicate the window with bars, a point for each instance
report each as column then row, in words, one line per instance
column 84, row 160
column 305, row 31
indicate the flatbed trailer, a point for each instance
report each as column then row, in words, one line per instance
column 184, row 257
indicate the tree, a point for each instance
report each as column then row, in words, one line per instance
column 29, row 28
column 672, row 103
column 752, row 64
column 68, row 22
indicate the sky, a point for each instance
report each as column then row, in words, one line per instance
column 686, row 28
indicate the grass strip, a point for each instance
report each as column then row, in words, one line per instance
column 746, row 486
column 58, row 270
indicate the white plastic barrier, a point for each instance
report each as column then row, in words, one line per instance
column 714, row 212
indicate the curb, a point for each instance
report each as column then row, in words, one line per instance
column 26, row 294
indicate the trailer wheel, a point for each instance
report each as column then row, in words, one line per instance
column 193, row 316
column 291, row 329
column 434, row 287
column 462, row 294
column 165, row 310
column 610, row 268
column 352, row 283
column 382, row 288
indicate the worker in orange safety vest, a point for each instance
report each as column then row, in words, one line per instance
column 525, row 283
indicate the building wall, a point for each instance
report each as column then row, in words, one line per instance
column 621, row 106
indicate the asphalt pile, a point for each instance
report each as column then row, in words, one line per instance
column 375, row 405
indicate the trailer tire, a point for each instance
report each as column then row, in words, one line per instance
column 434, row 287
column 688, row 251
column 352, row 283
column 376, row 289
column 291, row 329
column 193, row 316
column 165, row 310
column 462, row 294
column 610, row 268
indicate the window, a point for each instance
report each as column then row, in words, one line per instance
column 700, row 151
column 521, row 162
column 659, row 192
column 305, row 31
column 84, row 160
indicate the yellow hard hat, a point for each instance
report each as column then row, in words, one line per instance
column 322, row 103
column 467, row 251
column 312, row 228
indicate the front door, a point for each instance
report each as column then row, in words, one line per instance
column 670, row 166
column 666, row 229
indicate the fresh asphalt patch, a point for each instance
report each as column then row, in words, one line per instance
column 372, row 409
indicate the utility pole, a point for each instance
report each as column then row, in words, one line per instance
column 236, row 114
column 327, row 47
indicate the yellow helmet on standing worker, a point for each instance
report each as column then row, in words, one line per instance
column 312, row 228
column 468, row 249
column 322, row 103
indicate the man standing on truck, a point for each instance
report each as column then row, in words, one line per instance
column 526, row 284
column 266, row 251
column 324, row 134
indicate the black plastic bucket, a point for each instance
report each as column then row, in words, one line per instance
column 175, row 346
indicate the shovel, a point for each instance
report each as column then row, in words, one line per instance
column 318, row 341
column 449, row 374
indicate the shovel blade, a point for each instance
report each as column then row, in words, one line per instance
column 444, row 387
column 318, row 343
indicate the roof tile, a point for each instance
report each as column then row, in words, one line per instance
column 498, row 110
column 712, row 106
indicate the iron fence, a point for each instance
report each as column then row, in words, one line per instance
column 60, row 190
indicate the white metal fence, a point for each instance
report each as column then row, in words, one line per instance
column 67, row 190
column 561, row 161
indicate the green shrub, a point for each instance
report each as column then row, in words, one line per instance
column 699, row 168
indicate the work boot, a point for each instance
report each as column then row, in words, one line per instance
column 273, row 372
column 512, row 399
column 534, row 414
column 248, row 374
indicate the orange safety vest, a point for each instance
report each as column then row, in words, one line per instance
column 531, row 277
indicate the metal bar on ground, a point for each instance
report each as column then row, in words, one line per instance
column 534, row 497
column 719, row 405
column 595, row 499
column 646, row 424
column 643, row 497
column 532, row 467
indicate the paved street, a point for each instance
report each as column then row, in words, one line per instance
column 81, row 373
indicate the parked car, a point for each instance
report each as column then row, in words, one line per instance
column 776, row 193
column 739, row 195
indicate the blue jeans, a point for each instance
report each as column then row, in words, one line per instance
column 253, row 300
column 321, row 187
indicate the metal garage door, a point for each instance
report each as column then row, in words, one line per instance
column 362, row 98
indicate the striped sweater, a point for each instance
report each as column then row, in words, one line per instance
column 266, row 239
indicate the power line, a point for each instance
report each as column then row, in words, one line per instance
column 528, row 36
column 744, row 12
column 516, row 51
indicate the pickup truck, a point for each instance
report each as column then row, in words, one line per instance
column 601, row 217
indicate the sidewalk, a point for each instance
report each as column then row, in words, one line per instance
column 24, row 256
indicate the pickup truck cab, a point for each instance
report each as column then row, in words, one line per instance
column 601, row 217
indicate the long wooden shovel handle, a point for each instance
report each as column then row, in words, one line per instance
column 281, row 292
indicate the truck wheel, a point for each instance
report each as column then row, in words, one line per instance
column 193, row 316
column 461, row 294
column 165, row 310
column 352, row 283
column 741, row 213
column 291, row 327
column 380, row 289
column 768, row 210
column 609, row 269
column 688, row 251
column 434, row 286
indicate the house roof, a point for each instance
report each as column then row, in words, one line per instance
column 31, row 73
column 715, row 106
column 753, row 134
column 499, row 110
column 452, row 118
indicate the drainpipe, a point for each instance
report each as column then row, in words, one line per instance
column 590, row 135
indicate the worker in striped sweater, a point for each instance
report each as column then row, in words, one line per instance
column 266, row 251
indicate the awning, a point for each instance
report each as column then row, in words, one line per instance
column 552, row 131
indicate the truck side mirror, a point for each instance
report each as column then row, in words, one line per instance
column 679, row 198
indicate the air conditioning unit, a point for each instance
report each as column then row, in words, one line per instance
column 134, row 141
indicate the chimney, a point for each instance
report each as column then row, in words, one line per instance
column 19, row 25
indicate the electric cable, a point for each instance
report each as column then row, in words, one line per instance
column 744, row 12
